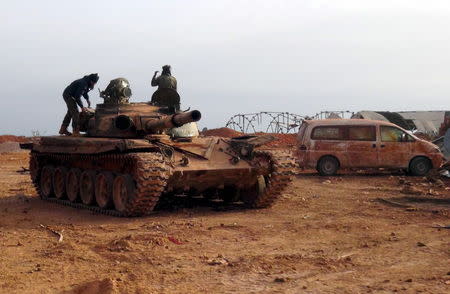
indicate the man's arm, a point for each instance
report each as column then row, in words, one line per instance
column 86, row 96
column 80, row 91
column 155, row 80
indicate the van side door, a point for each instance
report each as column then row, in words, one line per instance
column 362, row 146
column 327, row 140
column 395, row 147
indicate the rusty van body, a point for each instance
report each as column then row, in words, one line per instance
column 331, row 144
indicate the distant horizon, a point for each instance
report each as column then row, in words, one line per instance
column 224, row 125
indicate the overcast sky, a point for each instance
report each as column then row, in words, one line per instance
column 228, row 56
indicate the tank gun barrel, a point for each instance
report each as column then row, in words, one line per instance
column 172, row 121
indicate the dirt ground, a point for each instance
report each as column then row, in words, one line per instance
column 326, row 235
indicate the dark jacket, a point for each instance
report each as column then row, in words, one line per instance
column 164, row 81
column 77, row 89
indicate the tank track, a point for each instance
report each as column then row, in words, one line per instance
column 149, row 171
column 283, row 168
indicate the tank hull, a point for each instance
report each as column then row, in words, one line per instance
column 128, row 177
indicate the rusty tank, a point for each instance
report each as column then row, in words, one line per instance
column 135, row 154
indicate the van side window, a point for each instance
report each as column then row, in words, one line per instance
column 362, row 133
column 393, row 134
column 328, row 133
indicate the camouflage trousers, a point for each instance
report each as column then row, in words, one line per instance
column 72, row 113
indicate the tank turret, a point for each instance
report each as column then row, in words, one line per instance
column 118, row 118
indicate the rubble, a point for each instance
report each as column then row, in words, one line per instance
column 283, row 140
column 408, row 189
column 219, row 260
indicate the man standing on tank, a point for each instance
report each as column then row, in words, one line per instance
column 165, row 80
column 72, row 96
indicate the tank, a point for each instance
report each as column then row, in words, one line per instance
column 133, row 155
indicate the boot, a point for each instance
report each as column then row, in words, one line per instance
column 76, row 132
column 63, row 131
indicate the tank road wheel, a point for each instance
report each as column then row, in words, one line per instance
column 46, row 181
column 250, row 196
column 87, row 187
column 103, row 189
column 73, row 184
column 231, row 194
column 59, row 182
column 123, row 192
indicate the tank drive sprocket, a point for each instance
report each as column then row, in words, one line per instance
column 269, row 188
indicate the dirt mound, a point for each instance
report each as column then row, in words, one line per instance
column 106, row 286
column 12, row 138
column 284, row 140
column 9, row 147
column 222, row 132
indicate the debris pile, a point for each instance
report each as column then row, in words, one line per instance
column 283, row 140
column 426, row 186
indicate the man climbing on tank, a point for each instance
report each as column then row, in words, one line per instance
column 165, row 80
column 72, row 96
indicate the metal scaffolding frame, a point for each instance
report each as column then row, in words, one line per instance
column 266, row 121
column 333, row 114
column 277, row 122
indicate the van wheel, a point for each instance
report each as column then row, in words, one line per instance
column 419, row 166
column 327, row 166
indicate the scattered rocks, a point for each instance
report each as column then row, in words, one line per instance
column 440, row 183
column 393, row 237
column 407, row 189
column 420, row 244
column 219, row 260
column 326, row 182
column 119, row 245
column 433, row 192
column 281, row 280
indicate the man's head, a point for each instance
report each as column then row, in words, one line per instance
column 166, row 70
column 93, row 79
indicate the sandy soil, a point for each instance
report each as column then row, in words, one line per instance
column 326, row 235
